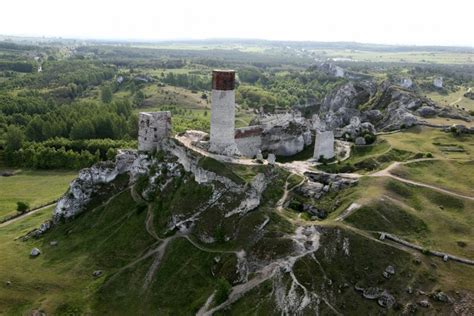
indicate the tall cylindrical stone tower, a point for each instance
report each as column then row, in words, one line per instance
column 223, row 113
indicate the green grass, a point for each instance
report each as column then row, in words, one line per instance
column 453, row 99
column 425, row 139
column 384, row 215
column 450, row 175
column 32, row 186
column 219, row 168
column 367, row 159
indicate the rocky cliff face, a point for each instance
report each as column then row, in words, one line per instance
column 285, row 134
column 387, row 106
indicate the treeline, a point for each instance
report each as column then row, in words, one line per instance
column 273, row 89
column 59, row 152
column 18, row 66
column 188, row 81
column 77, row 73
column 41, row 120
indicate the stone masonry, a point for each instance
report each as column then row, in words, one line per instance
column 324, row 145
column 223, row 113
column 152, row 128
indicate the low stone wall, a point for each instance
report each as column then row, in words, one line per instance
column 443, row 255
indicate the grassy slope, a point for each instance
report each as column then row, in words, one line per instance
column 424, row 139
column 450, row 175
column 369, row 158
column 423, row 216
column 454, row 98
column 35, row 187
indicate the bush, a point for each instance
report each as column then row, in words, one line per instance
column 22, row 207
column 223, row 291
column 369, row 138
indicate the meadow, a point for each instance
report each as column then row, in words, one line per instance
column 36, row 187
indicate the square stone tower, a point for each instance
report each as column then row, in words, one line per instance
column 152, row 128
column 324, row 145
column 223, row 113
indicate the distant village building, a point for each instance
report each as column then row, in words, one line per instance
column 438, row 82
column 153, row 127
column 324, row 145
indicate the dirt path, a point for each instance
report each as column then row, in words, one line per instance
column 459, row 99
column 186, row 142
column 8, row 222
column 386, row 173
column 149, row 224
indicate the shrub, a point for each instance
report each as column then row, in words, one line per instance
column 22, row 207
column 223, row 291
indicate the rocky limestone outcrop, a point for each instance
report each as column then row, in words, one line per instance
column 387, row 106
column 284, row 134
column 85, row 186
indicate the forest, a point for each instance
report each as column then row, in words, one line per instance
column 67, row 105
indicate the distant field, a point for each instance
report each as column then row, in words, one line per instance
column 35, row 187
column 411, row 57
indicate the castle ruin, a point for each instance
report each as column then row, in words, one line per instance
column 152, row 128
column 222, row 139
column 324, row 145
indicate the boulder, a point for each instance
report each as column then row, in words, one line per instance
column 271, row 159
column 386, row 300
column 390, row 269
column 359, row 141
column 424, row 303
column 97, row 273
column 441, row 297
column 410, row 309
column 35, row 252
column 53, row 243
column 426, row 111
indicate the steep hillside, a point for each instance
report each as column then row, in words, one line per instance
column 179, row 233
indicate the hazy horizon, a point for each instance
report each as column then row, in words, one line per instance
column 422, row 23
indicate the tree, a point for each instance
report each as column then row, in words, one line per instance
column 138, row 98
column 22, row 207
column 106, row 94
column 223, row 290
column 14, row 138
column 83, row 129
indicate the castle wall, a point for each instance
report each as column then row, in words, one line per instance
column 324, row 145
column 249, row 140
column 152, row 128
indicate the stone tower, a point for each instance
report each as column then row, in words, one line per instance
column 152, row 128
column 223, row 113
column 324, row 145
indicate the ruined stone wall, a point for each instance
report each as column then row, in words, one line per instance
column 324, row 145
column 152, row 128
column 223, row 113
column 249, row 140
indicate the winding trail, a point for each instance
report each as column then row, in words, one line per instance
column 14, row 219
column 460, row 98
column 386, row 173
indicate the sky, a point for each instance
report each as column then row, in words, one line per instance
column 410, row 22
